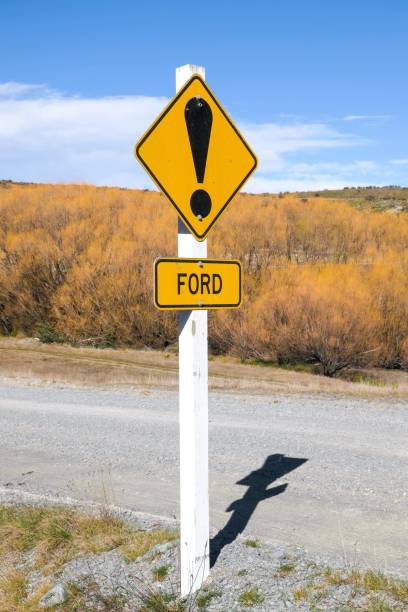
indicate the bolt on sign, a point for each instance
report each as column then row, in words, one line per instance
column 193, row 284
column 196, row 156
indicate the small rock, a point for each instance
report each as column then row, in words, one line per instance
column 57, row 595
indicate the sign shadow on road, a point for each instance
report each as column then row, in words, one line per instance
column 274, row 467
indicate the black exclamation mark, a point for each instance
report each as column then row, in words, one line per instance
column 198, row 117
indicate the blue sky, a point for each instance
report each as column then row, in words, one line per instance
column 319, row 88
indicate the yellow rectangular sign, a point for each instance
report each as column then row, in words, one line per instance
column 197, row 284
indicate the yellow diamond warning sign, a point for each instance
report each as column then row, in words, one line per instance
column 195, row 284
column 196, row 156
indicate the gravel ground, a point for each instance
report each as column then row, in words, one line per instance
column 277, row 578
column 325, row 473
column 241, row 569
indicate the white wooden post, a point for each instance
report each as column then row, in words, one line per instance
column 193, row 410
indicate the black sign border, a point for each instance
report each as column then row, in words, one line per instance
column 194, row 260
column 195, row 77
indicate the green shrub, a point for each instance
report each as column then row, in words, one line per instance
column 47, row 334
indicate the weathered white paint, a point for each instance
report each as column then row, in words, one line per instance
column 193, row 407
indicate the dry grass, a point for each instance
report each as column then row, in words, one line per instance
column 79, row 598
column 251, row 543
column 13, row 587
column 375, row 586
column 301, row 593
column 28, row 360
column 368, row 590
column 205, row 598
column 285, row 569
column 142, row 541
column 369, row 582
column 58, row 534
column 45, row 538
column 14, row 592
column 250, row 598
column 161, row 572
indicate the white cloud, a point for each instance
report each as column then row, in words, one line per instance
column 367, row 117
column 46, row 136
column 304, row 176
column 399, row 162
column 343, row 169
column 272, row 141
column 12, row 89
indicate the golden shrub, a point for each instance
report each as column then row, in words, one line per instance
column 323, row 281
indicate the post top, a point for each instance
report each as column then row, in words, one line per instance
column 194, row 68
column 183, row 73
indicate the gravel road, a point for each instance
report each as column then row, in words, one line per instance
column 322, row 472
